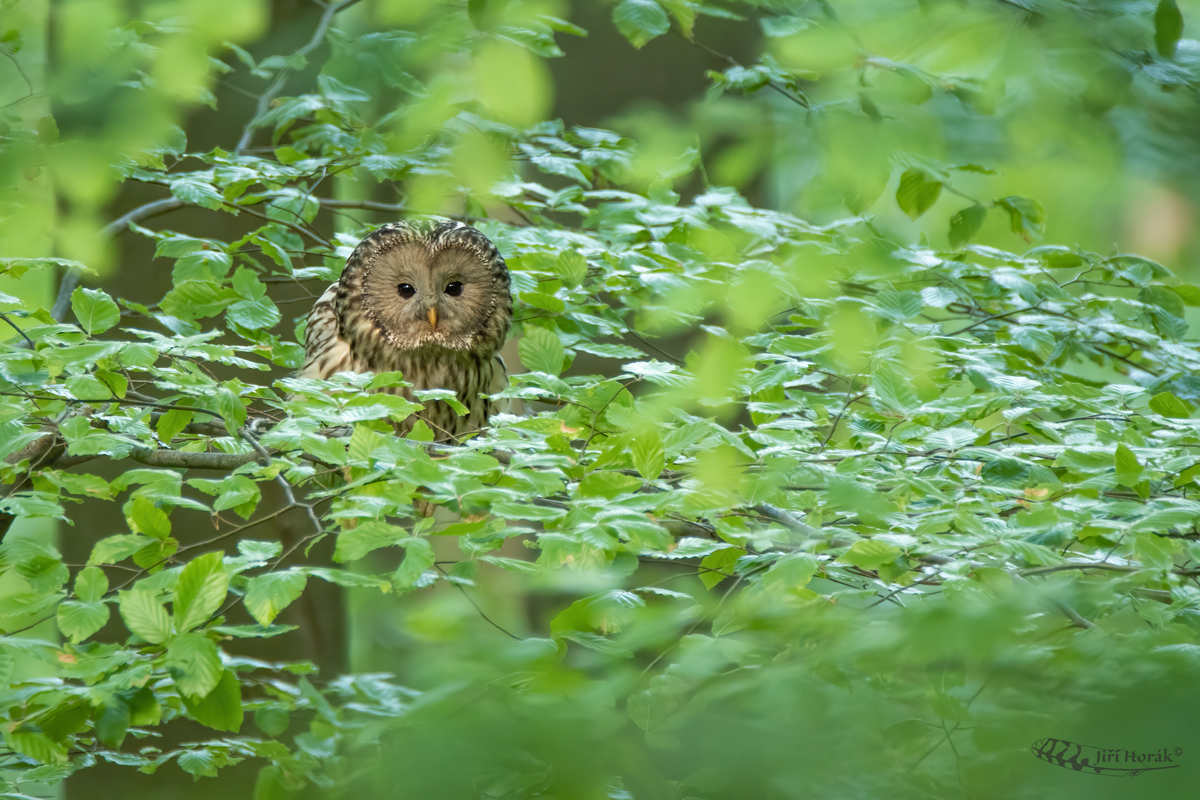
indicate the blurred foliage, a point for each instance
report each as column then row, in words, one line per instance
column 906, row 501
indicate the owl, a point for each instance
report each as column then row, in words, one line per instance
column 429, row 299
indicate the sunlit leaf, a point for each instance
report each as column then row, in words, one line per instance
column 918, row 191
column 267, row 595
column 640, row 20
column 95, row 310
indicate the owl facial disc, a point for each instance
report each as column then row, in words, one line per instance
column 440, row 285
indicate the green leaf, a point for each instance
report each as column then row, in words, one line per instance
column 11, row 42
column 717, row 566
column 230, row 407
column 899, row 305
column 777, row 27
column 546, row 302
column 608, row 485
column 171, row 423
column 94, row 309
column 417, row 558
column 114, row 722
column 965, row 224
column 8, row 664
column 420, row 432
column 259, row 550
column 153, row 554
column 684, row 12
column 221, row 709
column 36, row 746
column 195, row 663
column 1168, row 27
column 649, row 458
column 191, row 300
column 144, row 707
column 658, row 372
column 78, row 621
column 146, row 518
column 199, row 763
column 1156, row 551
column 1164, row 298
column 267, row 595
column 114, row 549
column 541, row 350
column 476, row 13
column 571, row 267
column 794, row 571
column 90, row 584
column 71, row 715
column 639, row 21
column 202, row 265
column 239, row 493
column 246, row 282
column 598, row 644
column 1164, row 519
column 918, row 191
column 254, row 314
column 200, row 591
column 1026, row 217
column 1128, row 470
column 195, row 190
column 1168, row 405
column 893, row 391
column 367, row 535
column 1007, row 472
column 650, row 708
column 272, row 721
column 87, row 387
column 145, row 616
column 870, row 554
column 289, row 155
column 1189, row 293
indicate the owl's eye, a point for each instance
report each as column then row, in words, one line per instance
column 406, row 290
column 454, row 288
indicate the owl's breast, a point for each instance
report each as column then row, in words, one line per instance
column 465, row 374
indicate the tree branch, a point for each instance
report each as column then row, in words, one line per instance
column 152, row 209
column 181, row 460
column 264, row 100
column 786, row 519
column 70, row 280
column 365, row 205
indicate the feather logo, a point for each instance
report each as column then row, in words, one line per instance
column 1104, row 760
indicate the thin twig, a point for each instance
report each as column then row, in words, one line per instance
column 660, row 351
column 833, row 427
column 316, row 237
column 17, row 328
column 797, row 98
column 264, row 100
column 24, row 77
column 490, row 621
column 365, row 205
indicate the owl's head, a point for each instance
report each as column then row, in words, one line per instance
column 427, row 284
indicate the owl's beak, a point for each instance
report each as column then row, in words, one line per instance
column 433, row 318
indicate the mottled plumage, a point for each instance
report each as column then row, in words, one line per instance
column 430, row 299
